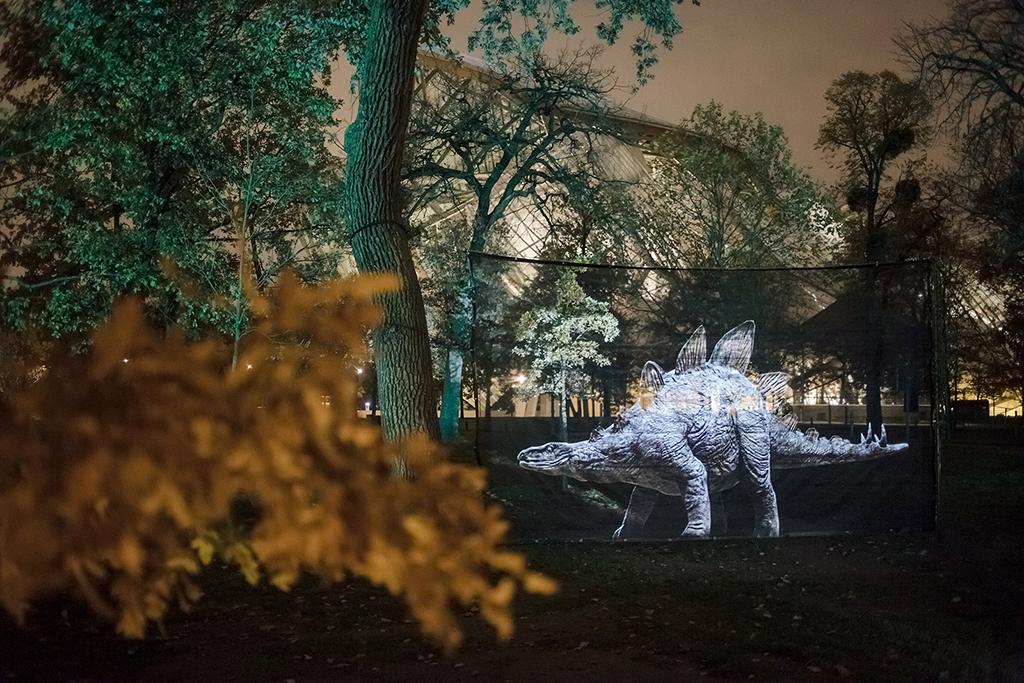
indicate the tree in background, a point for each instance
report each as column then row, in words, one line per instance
column 594, row 223
column 560, row 340
column 727, row 184
column 593, row 220
column 382, row 40
column 873, row 121
column 724, row 193
column 159, row 150
column 972, row 64
column 524, row 132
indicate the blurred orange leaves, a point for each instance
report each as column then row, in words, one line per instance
column 119, row 472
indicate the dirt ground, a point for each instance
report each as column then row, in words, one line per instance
column 923, row 607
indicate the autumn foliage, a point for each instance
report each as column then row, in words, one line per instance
column 120, row 471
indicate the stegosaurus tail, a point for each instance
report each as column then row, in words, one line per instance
column 792, row 448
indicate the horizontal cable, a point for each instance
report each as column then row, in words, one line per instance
column 578, row 264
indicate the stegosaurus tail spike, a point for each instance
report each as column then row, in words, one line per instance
column 694, row 352
column 734, row 348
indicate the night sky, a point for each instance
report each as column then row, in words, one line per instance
column 773, row 56
column 777, row 57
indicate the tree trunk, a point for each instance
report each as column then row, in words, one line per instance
column 873, row 390
column 451, row 395
column 460, row 330
column 460, row 324
column 374, row 144
column 873, row 360
column 563, row 418
column 606, row 407
column 874, row 319
column 488, row 381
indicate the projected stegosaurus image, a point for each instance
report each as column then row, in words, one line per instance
column 707, row 429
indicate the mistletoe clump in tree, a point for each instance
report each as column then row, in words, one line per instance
column 562, row 340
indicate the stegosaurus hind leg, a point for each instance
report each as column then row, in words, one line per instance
column 641, row 502
column 755, row 471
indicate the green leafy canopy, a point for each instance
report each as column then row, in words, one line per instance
column 139, row 131
column 523, row 26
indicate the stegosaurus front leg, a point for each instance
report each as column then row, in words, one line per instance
column 696, row 499
column 677, row 463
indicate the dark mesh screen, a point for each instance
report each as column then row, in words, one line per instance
column 548, row 335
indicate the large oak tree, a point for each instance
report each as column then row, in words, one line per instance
column 384, row 51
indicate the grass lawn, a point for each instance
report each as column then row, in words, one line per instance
column 922, row 607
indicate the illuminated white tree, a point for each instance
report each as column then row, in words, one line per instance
column 561, row 340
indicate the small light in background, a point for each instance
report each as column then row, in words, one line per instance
column 367, row 404
column 124, row 360
column 248, row 366
column 359, row 371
